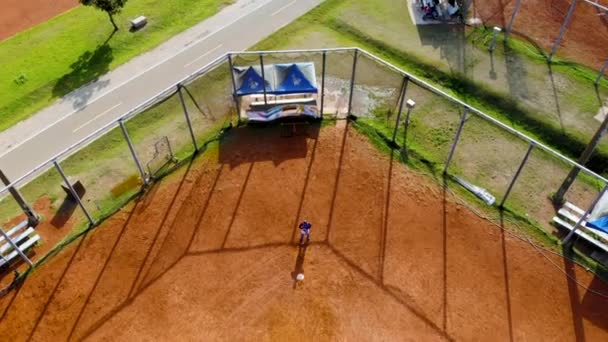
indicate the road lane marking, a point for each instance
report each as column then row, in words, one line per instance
column 202, row 56
column 96, row 117
column 282, row 8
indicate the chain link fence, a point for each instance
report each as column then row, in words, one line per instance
column 575, row 29
column 508, row 171
column 486, row 161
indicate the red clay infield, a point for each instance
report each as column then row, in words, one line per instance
column 19, row 15
column 540, row 20
column 208, row 254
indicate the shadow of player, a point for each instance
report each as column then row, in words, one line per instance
column 299, row 268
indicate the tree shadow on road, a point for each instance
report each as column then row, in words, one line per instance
column 88, row 68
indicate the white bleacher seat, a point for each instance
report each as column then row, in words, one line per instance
column 10, row 234
column 570, row 215
column 575, row 219
column 574, row 208
column 7, row 246
column 29, row 243
column 278, row 102
column 581, row 233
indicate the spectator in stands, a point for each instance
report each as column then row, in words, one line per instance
column 453, row 9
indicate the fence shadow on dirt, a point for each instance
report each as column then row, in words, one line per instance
column 291, row 146
column 181, row 221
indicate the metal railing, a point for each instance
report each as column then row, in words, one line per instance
column 176, row 88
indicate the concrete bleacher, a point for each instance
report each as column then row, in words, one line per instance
column 23, row 236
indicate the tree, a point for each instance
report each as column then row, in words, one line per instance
column 109, row 6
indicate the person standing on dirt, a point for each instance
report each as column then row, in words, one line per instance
column 304, row 231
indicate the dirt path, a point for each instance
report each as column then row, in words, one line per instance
column 18, row 15
column 209, row 252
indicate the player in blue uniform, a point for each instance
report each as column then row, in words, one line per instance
column 305, row 231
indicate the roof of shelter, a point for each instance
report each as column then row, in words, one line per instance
column 249, row 81
column 280, row 79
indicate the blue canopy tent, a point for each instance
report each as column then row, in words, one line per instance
column 600, row 224
column 598, row 218
column 250, row 82
column 295, row 79
column 281, row 79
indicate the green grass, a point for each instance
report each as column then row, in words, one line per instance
column 325, row 26
column 52, row 59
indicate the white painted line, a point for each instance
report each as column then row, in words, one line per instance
column 204, row 55
column 137, row 76
column 96, row 117
column 282, row 8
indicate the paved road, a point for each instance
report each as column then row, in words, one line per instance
column 236, row 27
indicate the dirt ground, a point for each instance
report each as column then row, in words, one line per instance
column 539, row 21
column 19, row 15
column 54, row 227
column 210, row 252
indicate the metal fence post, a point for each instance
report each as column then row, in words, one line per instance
column 510, row 25
column 466, row 10
column 517, row 173
column 15, row 247
column 456, row 138
column 323, row 82
column 234, row 90
column 32, row 218
column 601, row 74
column 352, row 81
column 133, row 152
column 410, row 106
column 181, row 98
column 73, row 192
column 562, row 30
column 263, row 78
column 580, row 221
column 496, row 31
column 401, row 101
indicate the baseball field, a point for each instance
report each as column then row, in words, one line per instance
column 210, row 252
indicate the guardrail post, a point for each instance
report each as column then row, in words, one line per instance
column 32, row 218
column 456, row 138
column 510, row 25
column 323, row 82
column 15, row 247
column 580, row 221
column 73, row 192
column 181, row 98
column 263, row 78
column 401, row 101
column 562, row 30
column 234, row 91
column 601, row 74
column 352, row 81
column 133, row 152
column 517, row 173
